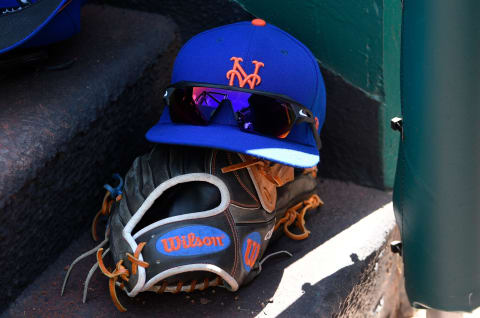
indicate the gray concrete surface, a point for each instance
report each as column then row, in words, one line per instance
column 63, row 133
column 344, row 268
column 191, row 16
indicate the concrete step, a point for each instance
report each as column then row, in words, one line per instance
column 63, row 133
column 344, row 269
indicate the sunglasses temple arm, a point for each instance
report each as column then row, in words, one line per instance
column 317, row 137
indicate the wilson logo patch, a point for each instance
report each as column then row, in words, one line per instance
column 237, row 72
column 193, row 240
column 250, row 250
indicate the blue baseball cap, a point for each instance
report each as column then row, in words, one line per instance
column 32, row 23
column 284, row 65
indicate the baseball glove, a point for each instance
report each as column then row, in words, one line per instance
column 189, row 218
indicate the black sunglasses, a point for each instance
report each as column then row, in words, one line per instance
column 255, row 111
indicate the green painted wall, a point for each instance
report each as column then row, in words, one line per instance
column 391, row 82
column 346, row 36
column 357, row 39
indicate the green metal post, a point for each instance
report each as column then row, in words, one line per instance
column 437, row 186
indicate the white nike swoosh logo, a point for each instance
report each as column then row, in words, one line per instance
column 302, row 112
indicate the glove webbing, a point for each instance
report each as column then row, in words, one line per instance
column 113, row 194
column 274, row 175
column 104, row 210
column 121, row 271
column 292, row 215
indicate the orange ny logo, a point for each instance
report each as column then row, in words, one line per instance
column 251, row 253
column 238, row 72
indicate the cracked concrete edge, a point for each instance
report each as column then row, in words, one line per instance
column 346, row 255
column 381, row 291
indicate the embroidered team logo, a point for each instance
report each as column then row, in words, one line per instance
column 237, row 72
column 250, row 250
column 193, row 240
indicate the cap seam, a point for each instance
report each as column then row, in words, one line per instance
column 249, row 46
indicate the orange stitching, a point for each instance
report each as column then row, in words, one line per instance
column 179, row 287
column 205, row 284
column 192, row 286
column 214, row 157
column 234, row 234
column 230, row 161
column 162, row 289
column 244, row 187
column 238, row 72
column 245, row 205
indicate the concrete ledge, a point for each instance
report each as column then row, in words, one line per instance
column 344, row 268
column 63, row 133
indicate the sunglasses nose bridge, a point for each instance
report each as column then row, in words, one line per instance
column 224, row 114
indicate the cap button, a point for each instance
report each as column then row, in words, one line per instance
column 259, row 22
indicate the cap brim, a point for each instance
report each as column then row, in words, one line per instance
column 18, row 27
column 231, row 138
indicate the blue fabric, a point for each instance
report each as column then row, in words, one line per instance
column 8, row 4
column 231, row 138
column 58, row 26
column 289, row 69
column 114, row 192
column 62, row 26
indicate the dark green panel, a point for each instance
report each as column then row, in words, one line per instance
column 390, row 108
column 346, row 36
column 437, row 188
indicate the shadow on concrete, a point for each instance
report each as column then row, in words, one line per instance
column 191, row 16
column 308, row 305
column 345, row 204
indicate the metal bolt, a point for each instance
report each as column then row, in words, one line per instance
column 397, row 124
column 396, row 247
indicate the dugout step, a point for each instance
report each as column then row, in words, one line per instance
column 345, row 268
column 65, row 130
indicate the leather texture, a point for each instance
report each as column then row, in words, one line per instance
column 237, row 237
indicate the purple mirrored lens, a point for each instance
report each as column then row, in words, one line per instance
column 253, row 112
column 212, row 97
